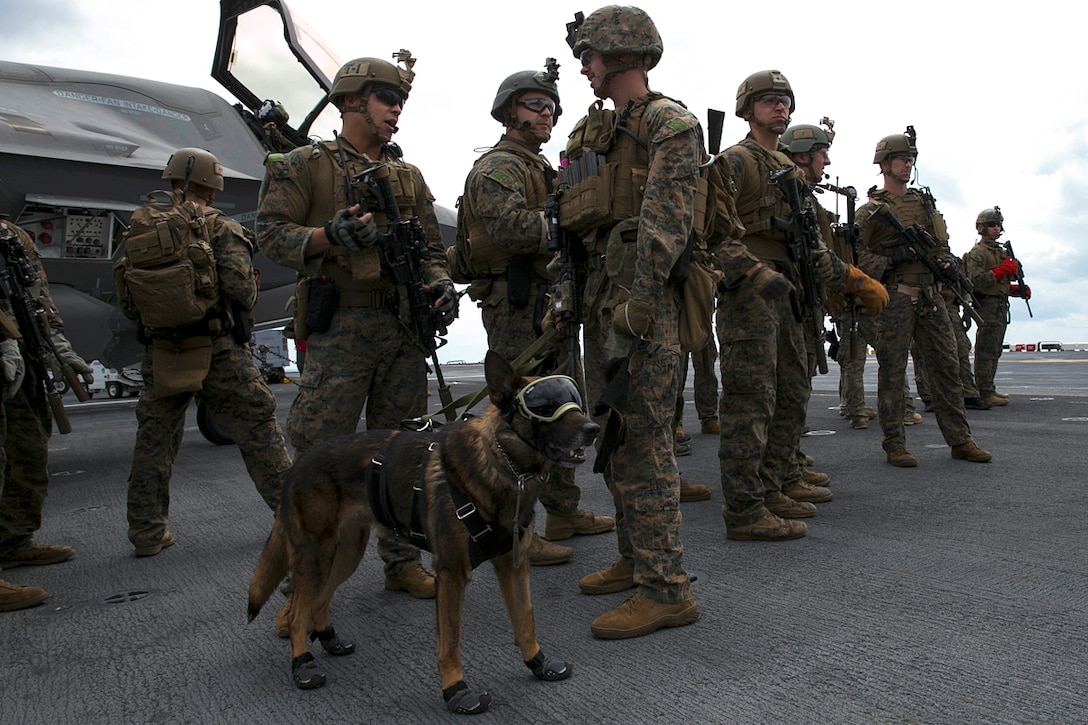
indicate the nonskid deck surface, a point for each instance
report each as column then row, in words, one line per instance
column 952, row 591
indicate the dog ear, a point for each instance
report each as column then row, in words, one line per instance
column 502, row 382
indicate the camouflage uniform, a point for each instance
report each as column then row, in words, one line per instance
column 963, row 354
column 642, row 474
column 25, row 445
column 233, row 391
column 764, row 362
column 706, row 383
column 370, row 355
column 502, row 209
column 916, row 311
column 979, row 263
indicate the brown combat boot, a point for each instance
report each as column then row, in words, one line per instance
column 167, row 540
column 615, row 578
column 710, row 427
column 563, row 525
column 815, row 478
column 681, row 436
column 785, row 507
column 414, row 579
column 639, row 616
column 860, row 422
column 996, row 401
column 912, row 418
column 693, row 491
column 802, row 491
column 768, row 528
column 971, row 452
column 14, row 596
column 901, row 457
column 869, row 412
column 35, row 554
column 544, row 553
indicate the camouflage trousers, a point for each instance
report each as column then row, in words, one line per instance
column 706, row 382
column 242, row 405
column 765, row 385
column 642, row 475
column 852, row 364
column 509, row 332
column 25, row 427
column 963, row 353
column 927, row 323
column 366, row 358
column 989, row 340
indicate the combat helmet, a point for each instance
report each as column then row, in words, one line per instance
column 764, row 81
column 897, row 143
column 989, row 216
column 802, row 137
column 195, row 166
column 357, row 75
column 616, row 29
column 528, row 80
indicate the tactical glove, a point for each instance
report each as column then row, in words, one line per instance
column 444, row 295
column 1008, row 268
column 633, row 317
column 829, row 268
column 348, row 230
column 1018, row 290
column 871, row 293
column 69, row 358
column 901, row 255
column 11, row 360
column 769, row 284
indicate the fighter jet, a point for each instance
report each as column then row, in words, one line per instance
column 79, row 151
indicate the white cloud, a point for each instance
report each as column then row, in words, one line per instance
column 996, row 94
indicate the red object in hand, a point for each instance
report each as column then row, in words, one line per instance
column 1015, row 290
column 1008, row 268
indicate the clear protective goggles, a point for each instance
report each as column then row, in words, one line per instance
column 773, row 99
column 537, row 104
column 547, row 399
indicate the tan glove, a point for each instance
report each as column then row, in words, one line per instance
column 633, row 317
column 768, row 283
column 11, row 360
column 829, row 268
column 69, row 358
column 871, row 293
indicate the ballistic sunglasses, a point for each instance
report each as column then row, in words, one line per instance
column 388, row 96
column 547, row 399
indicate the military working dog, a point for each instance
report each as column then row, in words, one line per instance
column 465, row 493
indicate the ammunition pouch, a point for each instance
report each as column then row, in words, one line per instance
column 180, row 366
column 519, row 277
column 322, row 302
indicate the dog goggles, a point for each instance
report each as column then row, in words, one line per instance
column 547, row 399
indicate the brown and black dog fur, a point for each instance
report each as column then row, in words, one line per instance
column 325, row 520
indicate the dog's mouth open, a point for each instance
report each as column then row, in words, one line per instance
column 566, row 456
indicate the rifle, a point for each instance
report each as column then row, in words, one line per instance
column 1019, row 275
column 404, row 249
column 569, row 278
column 803, row 236
column 850, row 233
column 17, row 274
column 919, row 242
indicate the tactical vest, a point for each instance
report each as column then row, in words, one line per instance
column 601, row 200
column 989, row 254
column 359, row 271
column 481, row 257
column 914, row 206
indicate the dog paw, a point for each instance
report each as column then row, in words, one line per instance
column 332, row 644
column 305, row 673
column 547, row 668
column 462, row 700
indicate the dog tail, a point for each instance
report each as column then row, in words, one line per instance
column 270, row 570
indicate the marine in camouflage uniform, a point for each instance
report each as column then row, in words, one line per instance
column 502, row 253
column 971, row 397
column 992, row 272
column 309, row 219
column 916, row 310
column 634, row 238
column 233, row 389
column 25, row 427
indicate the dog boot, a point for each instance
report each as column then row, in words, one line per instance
column 462, row 700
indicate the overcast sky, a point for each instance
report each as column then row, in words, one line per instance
column 996, row 93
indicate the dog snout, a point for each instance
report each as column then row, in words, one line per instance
column 590, row 430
